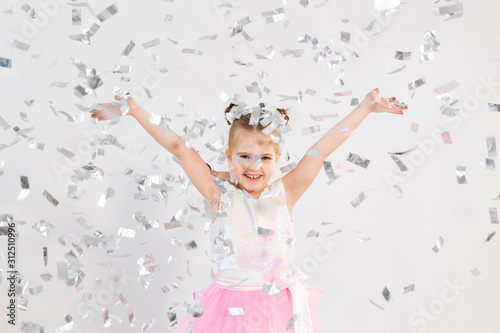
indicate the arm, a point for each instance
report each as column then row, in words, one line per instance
column 299, row 179
column 198, row 172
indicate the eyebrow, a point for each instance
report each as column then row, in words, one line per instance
column 266, row 154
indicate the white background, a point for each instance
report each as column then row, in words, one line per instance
column 398, row 233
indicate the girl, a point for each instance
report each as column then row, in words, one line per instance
column 256, row 288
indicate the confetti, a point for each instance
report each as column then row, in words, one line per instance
column 5, row 62
column 50, row 198
column 288, row 167
column 416, row 83
column 193, row 51
column 452, row 10
column 358, row 200
column 358, row 160
column 494, row 107
column 296, row 53
column 387, row 295
column 312, row 233
column 493, row 215
column 327, row 166
column 490, row 144
column 311, row 130
column 25, row 189
column 343, row 93
column 168, row 19
column 152, row 43
column 400, row 164
column 397, row 70
column 475, row 271
column 409, row 289
column 426, row 57
column 401, row 55
column 76, row 16
column 208, row 37
column 43, row 227
column 436, row 248
column 20, row 45
column 446, row 137
column 460, row 171
column 124, row 232
column 490, row 236
column 108, row 12
column 236, row 311
column 124, row 69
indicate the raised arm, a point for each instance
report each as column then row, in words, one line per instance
column 299, row 179
column 198, row 172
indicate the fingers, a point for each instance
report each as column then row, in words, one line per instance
column 376, row 90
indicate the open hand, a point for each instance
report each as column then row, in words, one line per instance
column 378, row 103
column 113, row 110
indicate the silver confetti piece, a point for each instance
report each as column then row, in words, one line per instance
column 108, row 12
column 265, row 231
column 400, row 164
column 439, row 245
column 288, row 167
column 76, row 16
column 20, row 45
column 329, row 172
column 494, row 107
column 50, row 198
column 490, row 164
column 312, row 152
column 43, row 227
column 152, row 43
column 37, row 145
column 493, row 215
column 270, row 289
column 124, row 69
column 401, row 55
column 130, row 46
column 358, row 160
column 312, row 233
column 426, row 57
column 25, row 188
column 323, row 117
column 236, row 311
column 460, row 171
column 416, row 83
column 45, row 256
column 490, row 236
column 257, row 162
column 5, row 62
column 311, row 130
column 387, row 295
column 295, row 317
column 358, row 200
column 193, row 51
column 123, row 232
column 455, row 9
column 397, row 70
column 409, row 288
column 491, row 146
column 168, row 19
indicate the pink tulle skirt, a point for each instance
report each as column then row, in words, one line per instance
column 263, row 313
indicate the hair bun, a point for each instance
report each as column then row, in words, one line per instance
column 228, row 109
column 285, row 113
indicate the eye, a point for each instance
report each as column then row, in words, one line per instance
column 266, row 158
column 244, row 156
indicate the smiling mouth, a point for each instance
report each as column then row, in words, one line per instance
column 253, row 177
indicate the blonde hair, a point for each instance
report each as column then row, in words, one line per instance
column 243, row 123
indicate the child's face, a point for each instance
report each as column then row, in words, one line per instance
column 245, row 144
